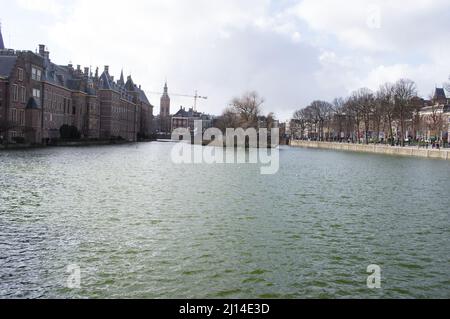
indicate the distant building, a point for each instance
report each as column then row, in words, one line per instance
column 434, row 118
column 440, row 97
column 186, row 119
column 165, row 102
column 38, row 98
column 164, row 114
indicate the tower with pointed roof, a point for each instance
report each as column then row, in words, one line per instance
column 122, row 79
column 165, row 111
column 2, row 44
column 165, row 103
column 440, row 97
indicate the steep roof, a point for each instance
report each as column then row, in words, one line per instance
column 107, row 83
column 440, row 94
column 62, row 75
column 131, row 87
column 7, row 63
column 190, row 113
column 56, row 74
column 2, row 44
column 143, row 97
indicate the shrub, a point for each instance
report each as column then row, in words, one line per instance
column 19, row 139
column 69, row 132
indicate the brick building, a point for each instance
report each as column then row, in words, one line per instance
column 38, row 98
column 186, row 119
column 164, row 114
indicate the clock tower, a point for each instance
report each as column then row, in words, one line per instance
column 165, row 121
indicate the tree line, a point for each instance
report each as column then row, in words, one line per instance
column 392, row 109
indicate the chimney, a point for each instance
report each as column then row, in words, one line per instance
column 86, row 71
column 78, row 68
column 47, row 55
column 70, row 65
column 41, row 49
column 106, row 68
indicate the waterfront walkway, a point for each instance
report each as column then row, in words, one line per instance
column 377, row 149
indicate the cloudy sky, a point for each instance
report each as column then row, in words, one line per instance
column 290, row 51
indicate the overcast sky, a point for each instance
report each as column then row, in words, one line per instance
column 290, row 51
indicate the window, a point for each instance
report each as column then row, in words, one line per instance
column 14, row 115
column 23, row 93
column 36, row 74
column 20, row 74
column 15, row 89
column 22, row 117
column 36, row 93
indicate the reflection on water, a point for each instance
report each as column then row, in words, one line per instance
column 140, row 226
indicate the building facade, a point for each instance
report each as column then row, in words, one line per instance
column 433, row 122
column 41, row 101
column 186, row 119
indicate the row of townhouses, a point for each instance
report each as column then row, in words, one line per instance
column 38, row 98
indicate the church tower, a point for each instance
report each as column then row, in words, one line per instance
column 164, row 115
column 165, row 103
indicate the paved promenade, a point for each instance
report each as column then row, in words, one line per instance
column 377, row 149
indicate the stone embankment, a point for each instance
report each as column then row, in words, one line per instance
column 376, row 149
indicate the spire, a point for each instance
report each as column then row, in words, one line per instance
column 166, row 89
column 2, row 44
column 122, row 79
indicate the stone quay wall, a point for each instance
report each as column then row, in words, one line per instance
column 376, row 149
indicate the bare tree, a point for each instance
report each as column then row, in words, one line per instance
column 228, row 119
column 354, row 111
column 339, row 115
column 320, row 111
column 385, row 97
column 435, row 121
column 248, row 106
column 364, row 103
column 300, row 123
column 270, row 120
column 392, row 104
column 404, row 92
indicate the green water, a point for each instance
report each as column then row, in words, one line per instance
column 139, row 226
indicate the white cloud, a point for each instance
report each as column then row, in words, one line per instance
column 427, row 76
column 378, row 25
column 296, row 37
column 52, row 7
column 290, row 51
